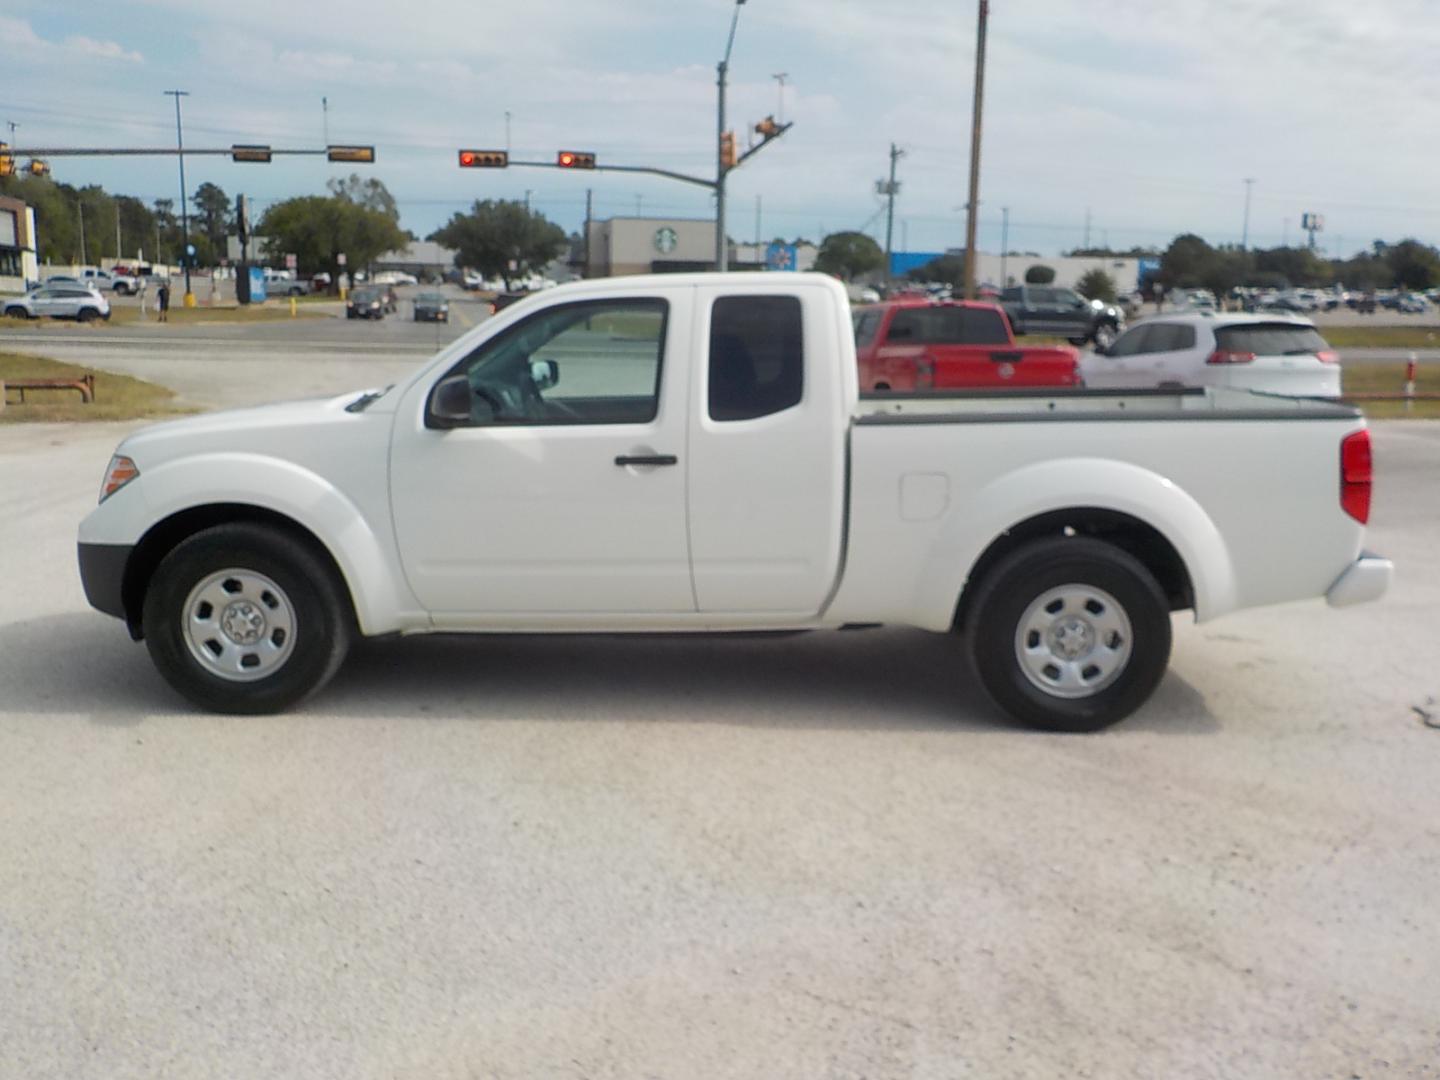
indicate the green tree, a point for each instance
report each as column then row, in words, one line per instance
column 1096, row 284
column 1039, row 275
column 1300, row 266
column 501, row 238
column 847, row 255
column 318, row 228
column 1185, row 262
column 1413, row 264
column 369, row 193
column 212, row 207
column 947, row 268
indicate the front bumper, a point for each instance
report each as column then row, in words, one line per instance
column 1366, row 579
column 102, row 573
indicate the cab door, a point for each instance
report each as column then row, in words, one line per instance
column 768, row 425
column 565, row 493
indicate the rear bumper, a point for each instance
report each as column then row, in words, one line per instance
column 102, row 573
column 1366, row 579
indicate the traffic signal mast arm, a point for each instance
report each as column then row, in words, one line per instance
column 771, row 131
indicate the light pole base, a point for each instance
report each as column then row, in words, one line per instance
column 189, row 299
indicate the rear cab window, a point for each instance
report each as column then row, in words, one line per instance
column 951, row 325
column 757, row 357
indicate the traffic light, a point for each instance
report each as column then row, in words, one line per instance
column 7, row 160
column 728, row 156
column 484, row 159
column 575, row 159
column 38, row 167
column 363, row 155
column 250, row 152
column 767, row 128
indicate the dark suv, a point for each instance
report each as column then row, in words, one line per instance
column 1049, row 309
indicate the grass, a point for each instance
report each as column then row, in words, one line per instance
column 1390, row 379
column 117, row 397
column 1382, row 337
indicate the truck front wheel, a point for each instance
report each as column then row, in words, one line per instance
column 242, row 618
column 1069, row 634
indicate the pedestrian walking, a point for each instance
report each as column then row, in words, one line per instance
column 162, row 301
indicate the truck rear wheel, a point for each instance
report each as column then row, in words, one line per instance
column 242, row 618
column 1069, row 634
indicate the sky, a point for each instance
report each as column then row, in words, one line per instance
column 1142, row 117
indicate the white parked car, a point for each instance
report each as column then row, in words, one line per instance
column 59, row 301
column 395, row 277
column 686, row 452
column 1273, row 353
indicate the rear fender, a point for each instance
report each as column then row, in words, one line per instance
column 1016, row 497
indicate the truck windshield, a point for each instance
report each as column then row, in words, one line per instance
column 948, row 326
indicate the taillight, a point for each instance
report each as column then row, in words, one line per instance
column 1356, row 473
column 1328, row 356
column 1229, row 356
column 925, row 373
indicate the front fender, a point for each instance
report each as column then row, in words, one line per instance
column 1016, row 497
column 366, row 562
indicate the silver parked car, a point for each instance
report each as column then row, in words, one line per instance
column 59, row 302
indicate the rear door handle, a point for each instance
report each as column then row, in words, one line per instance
column 647, row 459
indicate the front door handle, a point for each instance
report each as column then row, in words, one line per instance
column 647, row 459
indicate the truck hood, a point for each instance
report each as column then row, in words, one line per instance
column 259, row 429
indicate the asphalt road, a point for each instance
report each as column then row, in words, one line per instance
column 810, row 856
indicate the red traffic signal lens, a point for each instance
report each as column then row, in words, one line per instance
column 567, row 159
column 467, row 158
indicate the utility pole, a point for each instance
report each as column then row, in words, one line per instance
column 722, row 251
column 1004, row 245
column 588, row 207
column 184, row 200
column 1245, row 230
column 972, row 207
column 890, row 188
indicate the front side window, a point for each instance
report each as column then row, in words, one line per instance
column 1133, row 341
column 593, row 362
column 757, row 356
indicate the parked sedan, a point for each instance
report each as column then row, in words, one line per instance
column 367, row 303
column 59, row 302
column 432, row 307
column 1278, row 354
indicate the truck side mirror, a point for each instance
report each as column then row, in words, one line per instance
column 544, row 373
column 449, row 403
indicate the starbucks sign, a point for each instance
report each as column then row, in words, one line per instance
column 666, row 240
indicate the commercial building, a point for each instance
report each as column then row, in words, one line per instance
column 18, row 264
column 648, row 245
column 999, row 271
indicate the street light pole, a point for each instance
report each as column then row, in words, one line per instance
column 184, row 214
column 722, row 260
column 1245, row 229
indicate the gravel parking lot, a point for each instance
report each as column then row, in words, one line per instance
column 809, row 856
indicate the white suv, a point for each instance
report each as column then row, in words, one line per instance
column 59, row 301
column 1278, row 354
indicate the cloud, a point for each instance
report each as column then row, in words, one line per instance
column 103, row 50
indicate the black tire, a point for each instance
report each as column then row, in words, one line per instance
column 121, row 289
column 1105, row 334
column 86, row 314
column 1077, row 341
column 322, row 623
column 17, row 313
column 1006, row 594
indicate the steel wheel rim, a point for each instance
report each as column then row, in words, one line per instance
column 1073, row 641
column 239, row 625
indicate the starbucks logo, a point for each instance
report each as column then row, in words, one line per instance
column 665, row 240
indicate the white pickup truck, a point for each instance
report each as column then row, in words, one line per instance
column 690, row 453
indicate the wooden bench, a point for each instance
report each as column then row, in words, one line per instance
column 84, row 386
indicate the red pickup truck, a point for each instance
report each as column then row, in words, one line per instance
column 910, row 345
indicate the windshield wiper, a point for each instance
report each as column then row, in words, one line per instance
column 364, row 401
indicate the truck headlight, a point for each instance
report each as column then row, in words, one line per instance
column 119, row 473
